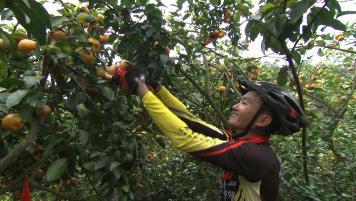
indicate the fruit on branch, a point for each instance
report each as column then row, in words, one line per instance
column 26, row 45
column 12, row 122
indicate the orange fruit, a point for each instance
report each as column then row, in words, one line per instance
column 59, row 35
column 26, row 45
column 111, row 70
column 43, row 111
column 221, row 89
column 254, row 77
column 100, row 72
column 226, row 19
column 167, row 51
column 1, row 43
column 12, row 122
column 254, row 71
column 125, row 64
column 84, row 8
column 207, row 41
column 339, row 37
column 92, row 26
column 104, row 38
column 95, row 43
column 228, row 13
column 221, row 34
column 216, row 33
column 86, row 56
column 237, row 85
column 100, row 17
column 38, row 151
column 228, row 74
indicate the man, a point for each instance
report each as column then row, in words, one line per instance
column 252, row 170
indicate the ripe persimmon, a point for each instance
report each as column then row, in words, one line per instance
column 59, row 35
column 340, row 37
column 125, row 64
column 253, row 76
column 99, row 17
column 104, row 38
column 221, row 34
column 43, row 111
column 96, row 44
column 216, row 33
column 228, row 13
column 221, row 89
column 86, row 56
column 207, row 41
column 26, row 45
column 167, row 51
column 12, row 122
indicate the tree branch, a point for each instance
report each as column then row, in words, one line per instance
column 19, row 148
column 207, row 96
column 336, row 48
column 308, row 26
column 300, row 95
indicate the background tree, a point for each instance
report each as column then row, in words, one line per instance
column 77, row 136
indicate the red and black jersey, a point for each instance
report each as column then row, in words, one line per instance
column 252, row 170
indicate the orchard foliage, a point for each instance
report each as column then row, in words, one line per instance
column 77, row 136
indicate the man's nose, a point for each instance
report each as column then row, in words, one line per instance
column 235, row 106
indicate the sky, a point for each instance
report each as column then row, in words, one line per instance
column 255, row 47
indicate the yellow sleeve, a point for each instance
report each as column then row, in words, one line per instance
column 179, row 109
column 178, row 132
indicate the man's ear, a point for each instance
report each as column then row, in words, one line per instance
column 263, row 120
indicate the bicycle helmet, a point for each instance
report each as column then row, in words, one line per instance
column 287, row 112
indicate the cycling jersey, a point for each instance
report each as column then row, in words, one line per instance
column 251, row 167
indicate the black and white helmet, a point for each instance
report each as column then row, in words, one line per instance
column 289, row 113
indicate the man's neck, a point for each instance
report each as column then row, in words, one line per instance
column 251, row 135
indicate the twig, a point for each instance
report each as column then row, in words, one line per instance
column 336, row 48
column 339, row 116
column 308, row 26
column 207, row 74
column 327, row 105
column 207, row 96
column 300, row 94
column 19, row 148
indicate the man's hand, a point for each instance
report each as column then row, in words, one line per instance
column 142, row 87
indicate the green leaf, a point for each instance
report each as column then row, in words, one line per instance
column 3, row 108
column 114, row 165
column 32, row 16
column 125, row 188
column 282, row 77
column 160, row 141
column 267, row 8
column 299, row 9
column 59, row 20
column 296, row 57
column 83, row 137
column 215, row 2
column 56, row 169
column 32, row 80
column 89, row 165
column 3, row 69
column 2, row 89
column 16, row 97
column 53, row 143
column 108, row 93
column 252, row 29
column 82, row 110
column 102, row 162
column 336, row 24
column 334, row 5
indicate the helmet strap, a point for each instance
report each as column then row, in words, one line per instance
column 243, row 132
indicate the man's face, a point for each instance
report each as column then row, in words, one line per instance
column 243, row 112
